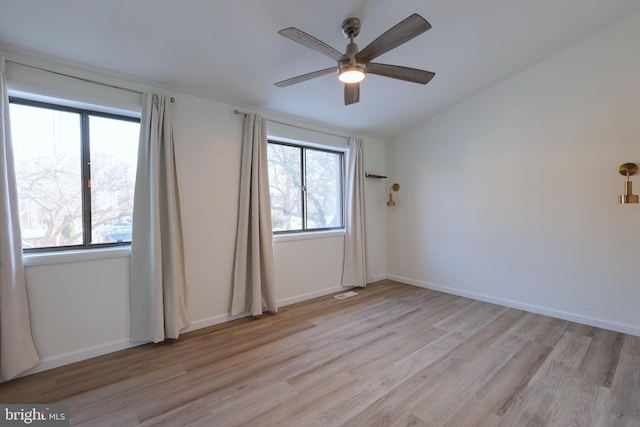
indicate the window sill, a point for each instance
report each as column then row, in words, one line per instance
column 80, row 255
column 308, row 235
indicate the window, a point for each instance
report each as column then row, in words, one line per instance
column 75, row 173
column 305, row 187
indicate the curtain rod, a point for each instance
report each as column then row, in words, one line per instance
column 295, row 126
column 77, row 78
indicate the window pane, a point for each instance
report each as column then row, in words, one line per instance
column 114, row 153
column 47, row 149
column 285, row 183
column 324, row 189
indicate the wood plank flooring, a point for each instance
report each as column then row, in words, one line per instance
column 394, row 355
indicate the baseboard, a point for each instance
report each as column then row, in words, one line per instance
column 78, row 356
column 322, row 292
column 211, row 321
column 545, row 311
column 222, row 318
column 310, row 295
column 376, row 278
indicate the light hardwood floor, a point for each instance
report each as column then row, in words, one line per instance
column 394, row 355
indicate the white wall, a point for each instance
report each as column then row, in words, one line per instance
column 511, row 195
column 80, row 307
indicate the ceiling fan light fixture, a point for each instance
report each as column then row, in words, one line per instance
column 354, row 64
column 352, row 74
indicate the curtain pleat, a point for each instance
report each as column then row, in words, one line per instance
column 253, row 272
column 158, row 285
column 354, row 268
column 17, row 350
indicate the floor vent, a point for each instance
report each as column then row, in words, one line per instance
column 346, row 295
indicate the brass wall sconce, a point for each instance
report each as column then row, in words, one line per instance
column 628, row 169
column 394, row 187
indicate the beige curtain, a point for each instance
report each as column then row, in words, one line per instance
column 354, row 268
column 158, row 286
column 253, row 272
column 17, row 351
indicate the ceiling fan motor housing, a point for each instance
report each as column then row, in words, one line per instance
column 350, row 53
column 351, row 28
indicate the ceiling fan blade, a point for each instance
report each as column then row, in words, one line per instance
column 351, row 93
column 305, row 77
column 401, row 73
column 311, row 42
column 403, row 32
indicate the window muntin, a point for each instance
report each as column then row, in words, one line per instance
column 75, row 173
column 305, row 188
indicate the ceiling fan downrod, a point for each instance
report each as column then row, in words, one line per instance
column 351, row 29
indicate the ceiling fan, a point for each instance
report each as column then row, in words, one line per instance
column 353, row 65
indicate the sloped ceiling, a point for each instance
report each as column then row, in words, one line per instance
column 230, row 51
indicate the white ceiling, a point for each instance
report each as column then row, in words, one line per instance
column 230, row 50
